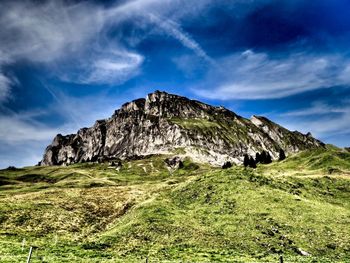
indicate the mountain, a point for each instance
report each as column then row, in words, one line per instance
column 158, row 209
column 167, row 123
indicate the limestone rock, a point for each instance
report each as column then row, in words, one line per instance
column 162, row 122
column 303, row 253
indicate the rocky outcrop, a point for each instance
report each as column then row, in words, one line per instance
column 174, row 163
column 164, row 123
column 287, row 140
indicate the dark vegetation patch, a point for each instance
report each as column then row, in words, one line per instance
column 36, row 178
column 5, row 180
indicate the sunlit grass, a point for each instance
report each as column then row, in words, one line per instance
column 94, row 213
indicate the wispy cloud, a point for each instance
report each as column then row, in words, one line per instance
column 21, row 154
column 173, row 29
column 15, row 128
column 57, row 33
column 23, row 137
column 23, row 127
column 114, row 69
column 250, row 75
column 6, row 81
column 83, row 111
column 324, row 120
column 157, row 13
column 5, row 86
column 318, row 108
column 72, row 38
column 48, row 30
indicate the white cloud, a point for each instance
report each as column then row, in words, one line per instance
column 23, row 137
column 175, row 9
column 326, row 122
column 21, row 154
column 72, row 38
column 251, row 75
column 115, row 69
column 47, row 31
column 75, row 112
column 57, row 33
column 14, row 129
column 318, row 108
column 84, row 111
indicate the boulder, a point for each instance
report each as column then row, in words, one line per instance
column 302, row 252
column 174, row 163
column 116, row 163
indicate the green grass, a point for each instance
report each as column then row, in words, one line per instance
column 196, row 123
column 213, row 128
column 330, row 160
column 92, row 213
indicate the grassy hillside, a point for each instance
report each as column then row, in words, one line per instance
column 93, row 213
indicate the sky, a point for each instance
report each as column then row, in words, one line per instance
column 65, row 64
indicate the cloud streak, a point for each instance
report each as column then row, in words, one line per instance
column 23, row 137
column 318, row 108
column 173, row 29
column 5, row 86
column 249, row 75
column 325, row 121
column 72, row 39
column 114, row 70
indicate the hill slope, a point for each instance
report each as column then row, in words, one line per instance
column 163, row 122
column 92, row 213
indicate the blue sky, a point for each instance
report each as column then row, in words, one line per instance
column 65, row 64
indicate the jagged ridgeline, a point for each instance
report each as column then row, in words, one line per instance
column 166, row 123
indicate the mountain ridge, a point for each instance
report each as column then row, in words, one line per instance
column 163, row 122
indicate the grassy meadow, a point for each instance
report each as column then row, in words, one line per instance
column 94, row 213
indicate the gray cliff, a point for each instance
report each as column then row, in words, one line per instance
column 164, row 123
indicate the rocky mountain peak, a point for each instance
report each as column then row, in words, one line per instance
column 162, row 123
column 163, row 104
column 135, row 105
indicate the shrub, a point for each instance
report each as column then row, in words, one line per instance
column 226, row 165
column 282, row 155
column 265, row 157
column 257, row 158
column 252, row 163
column 246, row 160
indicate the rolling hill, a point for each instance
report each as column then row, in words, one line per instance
column 91, row 212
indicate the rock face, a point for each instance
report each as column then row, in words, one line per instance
column 165, row 123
